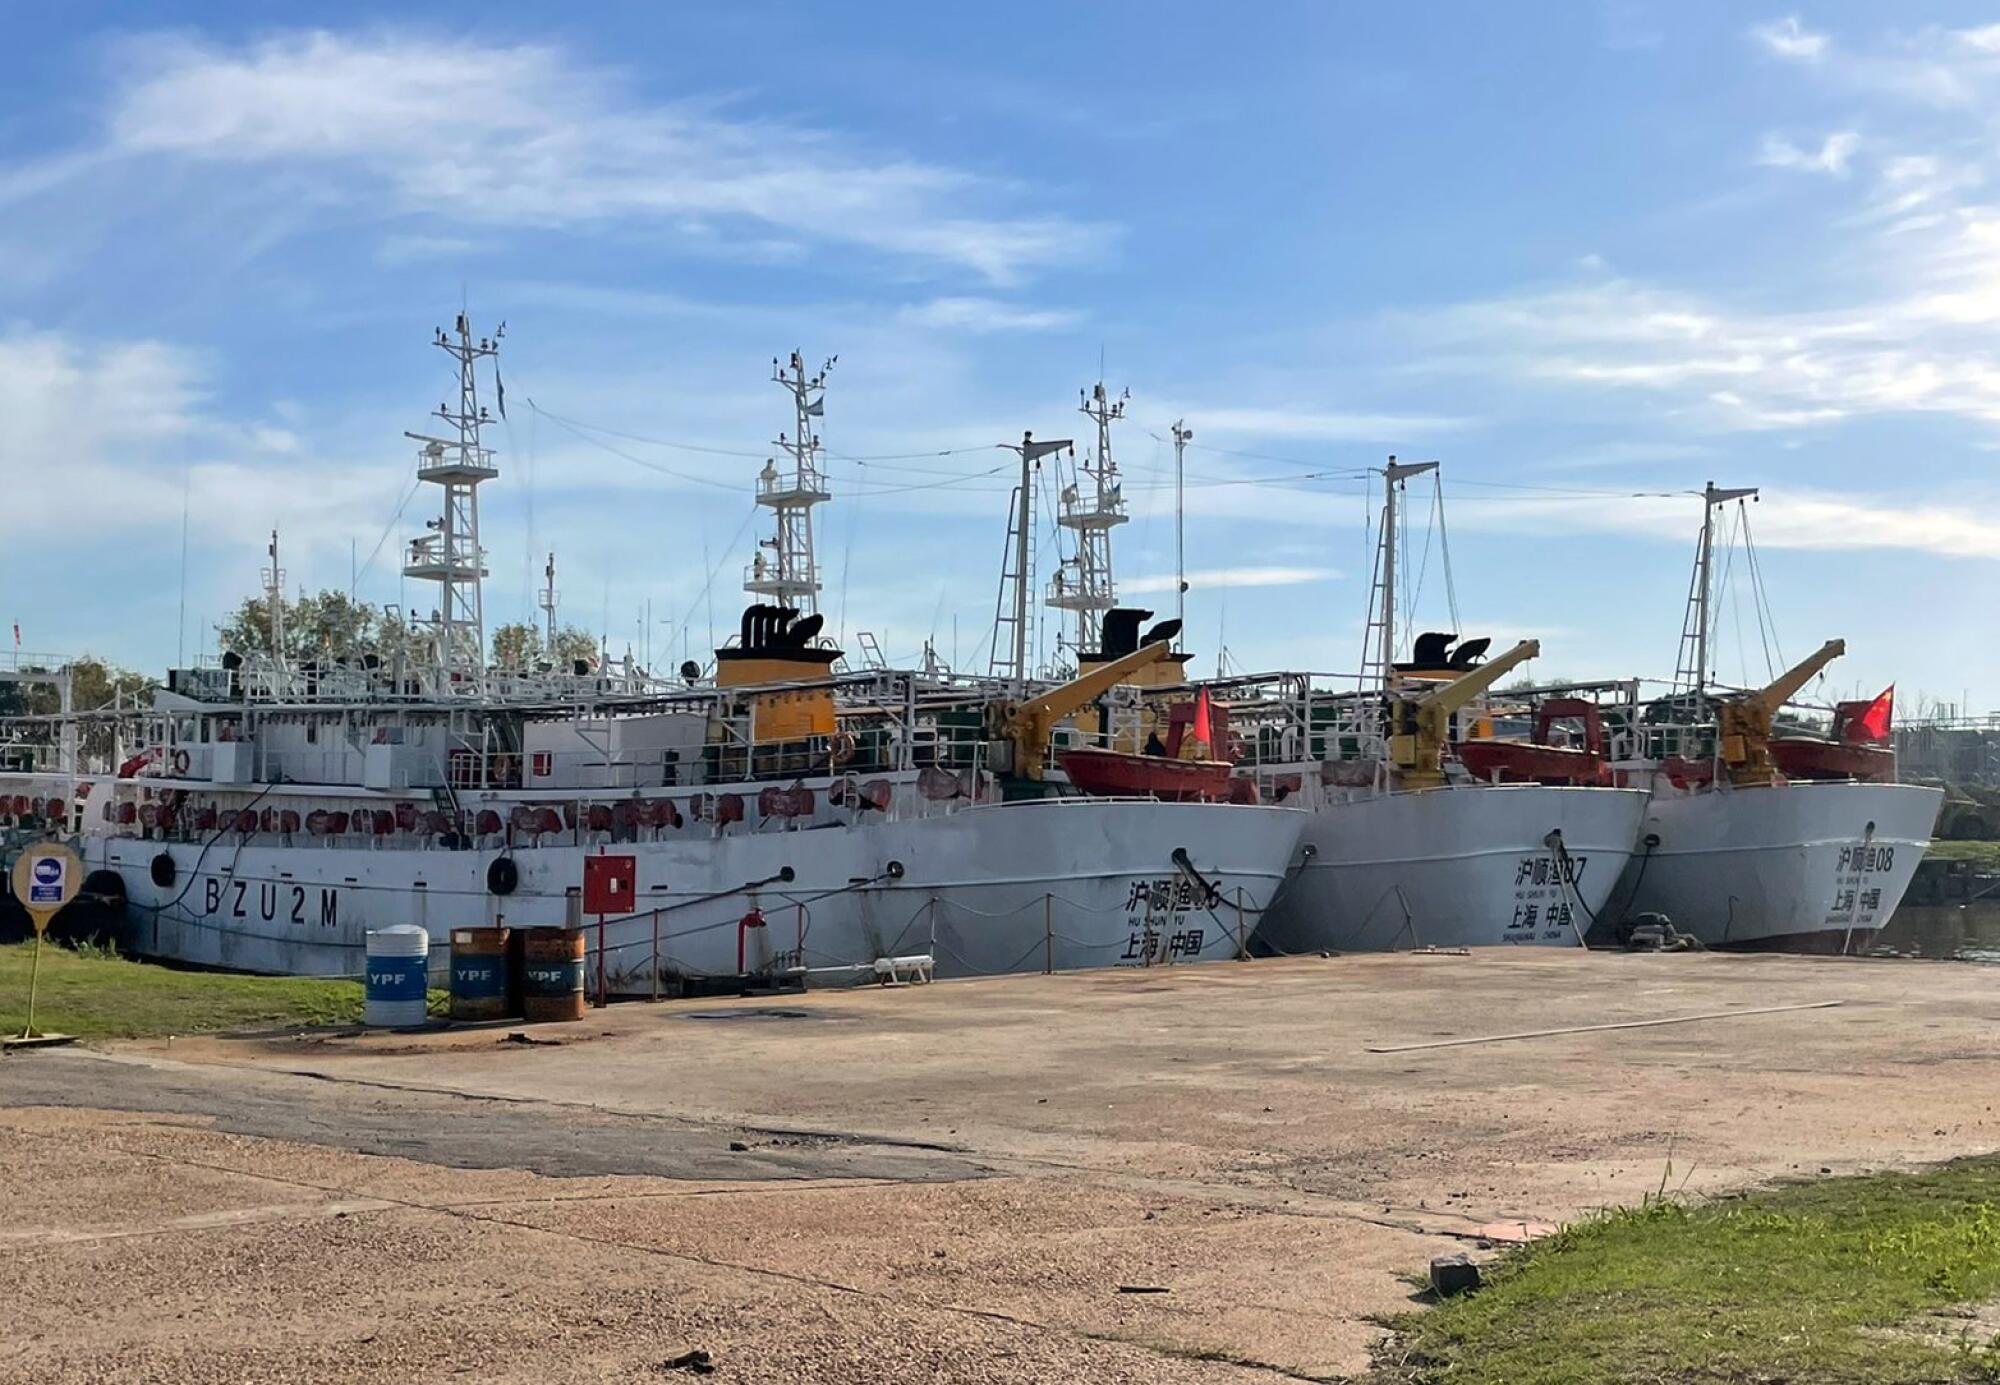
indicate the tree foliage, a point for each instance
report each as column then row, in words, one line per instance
column 521, row 645
column 96, row 685
column 331, row 625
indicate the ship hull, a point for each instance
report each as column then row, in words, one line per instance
column 1798, row 867
column 1455, row 867
column 1047, row 885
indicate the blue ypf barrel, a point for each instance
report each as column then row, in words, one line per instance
column 480, row 976
column 398, row 972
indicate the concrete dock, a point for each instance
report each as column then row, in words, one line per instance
column 1206, row 1173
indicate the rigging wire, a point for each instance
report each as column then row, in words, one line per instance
column 1766, row 617
column 388, row 529
column 1444, row 554
column 708, row 583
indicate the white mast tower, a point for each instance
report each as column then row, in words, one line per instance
column 1083, row 583
column 790, row 577
column 450, row 554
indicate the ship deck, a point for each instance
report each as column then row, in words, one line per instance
column 957, row 1182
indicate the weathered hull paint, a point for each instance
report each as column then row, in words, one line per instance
column 1053, row 884
column 1465, row 866
column 1785, row 867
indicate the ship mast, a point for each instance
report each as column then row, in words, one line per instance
column 451, row 554
column 1381, row 657
column 1692, row 672
column 274, row 602
column 547, row 601
column 1012, row 664
column 1083, row 583
column 1182, row 437
column 791, row 576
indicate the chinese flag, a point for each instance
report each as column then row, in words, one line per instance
column 1201, row 721
column 1873, row 723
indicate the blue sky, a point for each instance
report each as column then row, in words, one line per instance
column 1585, row 255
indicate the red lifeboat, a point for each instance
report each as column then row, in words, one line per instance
column 1808, row 757
column 1182, row 770
column 1854, row 747
column 1117, row 774
column 1537, row 761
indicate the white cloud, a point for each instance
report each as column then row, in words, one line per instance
column 982, row 315
column 1831, row 157
column 524, row 135
column 412, row 249
column 1211, row 578
column 1788, row 38
column 1315, row 424
column 1714, row 367
column 98, row 437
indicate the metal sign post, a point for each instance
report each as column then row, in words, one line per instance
column 610, row 886
column 46, row 877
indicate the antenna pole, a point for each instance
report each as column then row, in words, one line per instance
column 1182, row 436
column 274, row 599
column 548, row 601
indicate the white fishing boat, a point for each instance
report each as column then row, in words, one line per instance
column 782, row 820
column 1404, row 847
column 1739, row 848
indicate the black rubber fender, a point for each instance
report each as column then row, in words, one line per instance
column 108, row 885
column 503, row 876
column 163, row 870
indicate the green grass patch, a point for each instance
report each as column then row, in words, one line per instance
column 1825, row 1282
column 96, row 994
column 1985, row 855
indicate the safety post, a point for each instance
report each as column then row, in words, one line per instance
column 46, row 877
column 1048, row 934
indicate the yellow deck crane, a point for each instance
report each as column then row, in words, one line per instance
column 1420, row 725
column 1028, row 724
column 1743, row 722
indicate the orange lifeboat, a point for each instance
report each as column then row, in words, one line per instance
column 1118, row 774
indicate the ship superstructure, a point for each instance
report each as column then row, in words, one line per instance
column 786, row 819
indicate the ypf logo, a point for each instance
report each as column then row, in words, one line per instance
column 48, row 871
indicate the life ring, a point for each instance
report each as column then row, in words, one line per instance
column 843, row 748
column 503, row 876
column 181, row 762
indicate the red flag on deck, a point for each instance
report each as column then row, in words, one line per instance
column 1873, row 723
column 1200, row 730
